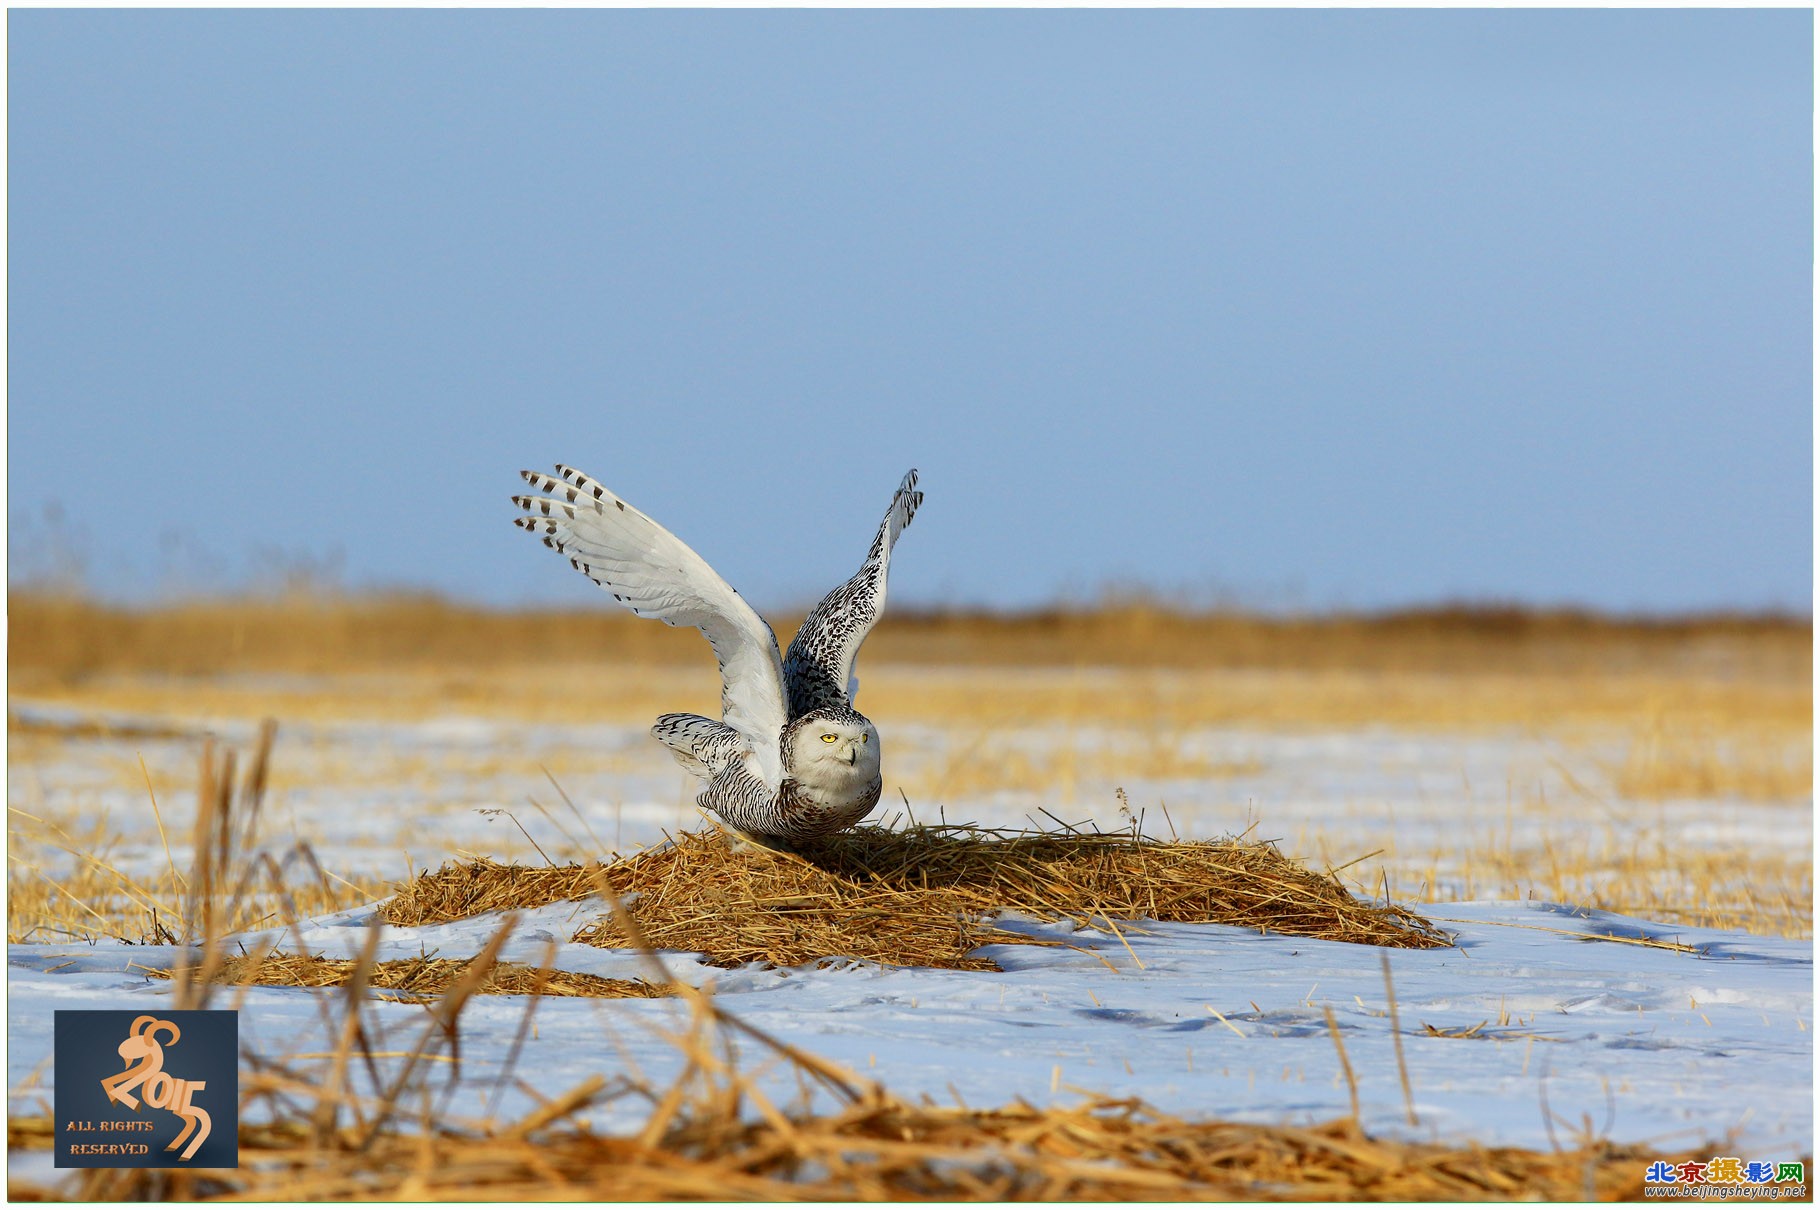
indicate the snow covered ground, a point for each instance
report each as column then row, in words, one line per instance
column 1641, row 1044
column 1576, row 1030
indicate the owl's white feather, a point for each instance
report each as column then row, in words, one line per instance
column 655, row 574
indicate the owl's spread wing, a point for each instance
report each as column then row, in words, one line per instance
column 819, row 669
column 650, row 571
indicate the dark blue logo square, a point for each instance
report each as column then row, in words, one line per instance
column 147, row 1090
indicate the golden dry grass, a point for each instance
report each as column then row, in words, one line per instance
column 1757, row 764
column 422, row 978
column 461, row 889
column 881, row 1149
column 70, row 638
column 919, row 897
column 1146, row 707
column 1743, row 736
column 1741, row 686
column 1715, row 708
column 63, row 883
column 1632, row 871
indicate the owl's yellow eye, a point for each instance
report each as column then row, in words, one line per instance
column 864, row 736
column 827, row 739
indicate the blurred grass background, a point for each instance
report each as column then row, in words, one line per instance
column 59, row 636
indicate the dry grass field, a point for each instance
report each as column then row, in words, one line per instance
column 1423, row 757
column 1644, row 712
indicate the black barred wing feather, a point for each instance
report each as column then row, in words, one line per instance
column 653, row 573
column 818, row 672
column 700, row 745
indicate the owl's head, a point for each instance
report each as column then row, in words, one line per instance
column 833, row 741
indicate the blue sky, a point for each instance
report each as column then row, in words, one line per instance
column 1310, row 309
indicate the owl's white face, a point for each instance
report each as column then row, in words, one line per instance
column 836, row 753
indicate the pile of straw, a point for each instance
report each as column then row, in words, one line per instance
column 473, row 888
column 422, row 979
column 920, row 897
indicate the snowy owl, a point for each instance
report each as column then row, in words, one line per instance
column 792, row 759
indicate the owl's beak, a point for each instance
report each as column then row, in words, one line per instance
column 852, row 753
